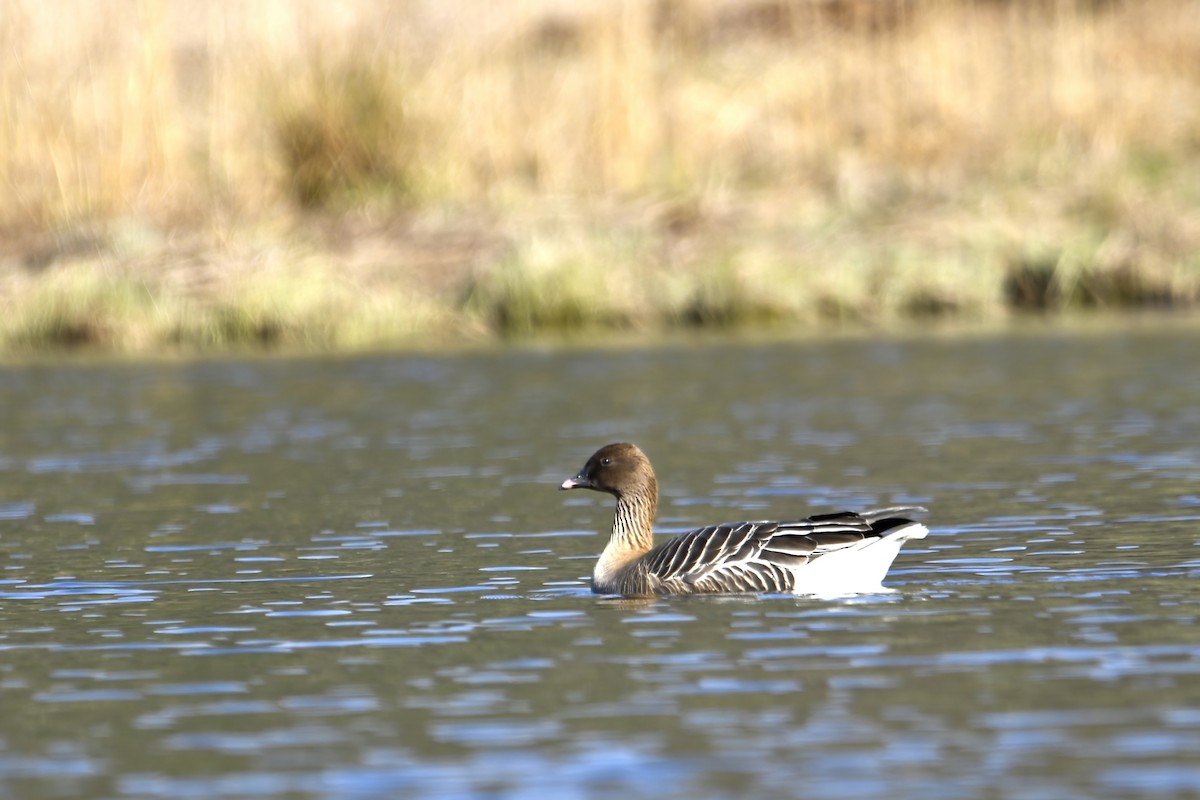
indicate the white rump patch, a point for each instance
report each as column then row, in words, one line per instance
column 858, row 569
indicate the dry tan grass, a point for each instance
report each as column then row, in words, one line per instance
column 155, row 108
column 740, row 160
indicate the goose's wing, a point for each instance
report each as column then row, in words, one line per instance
column 764, row 556
column 696, row 553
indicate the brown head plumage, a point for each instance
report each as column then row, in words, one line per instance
column 620, row 469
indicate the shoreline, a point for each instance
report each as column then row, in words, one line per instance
column 1076, row 323
column 407, row 281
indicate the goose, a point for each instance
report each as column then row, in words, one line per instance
column 834, row 554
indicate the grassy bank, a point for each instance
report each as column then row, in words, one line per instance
column 310, row 175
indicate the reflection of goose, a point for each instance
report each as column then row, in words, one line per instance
column 826, row 554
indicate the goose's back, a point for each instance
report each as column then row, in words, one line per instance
column 766, row 556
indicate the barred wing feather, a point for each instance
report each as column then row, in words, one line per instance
column 700, row 550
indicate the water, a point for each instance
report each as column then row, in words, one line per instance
column 355, row 578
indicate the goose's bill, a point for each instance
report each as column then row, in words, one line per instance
column 578, row 482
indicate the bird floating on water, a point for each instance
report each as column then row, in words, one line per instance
column 826, row 554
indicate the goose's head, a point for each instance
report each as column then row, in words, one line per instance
column 620, row 469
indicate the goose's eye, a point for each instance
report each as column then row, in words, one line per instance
column 604, row 462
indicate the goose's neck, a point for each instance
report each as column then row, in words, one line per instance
column 632, row 536
column 633, row 524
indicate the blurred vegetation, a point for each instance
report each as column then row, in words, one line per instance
column 363, row 174
column 341, row 134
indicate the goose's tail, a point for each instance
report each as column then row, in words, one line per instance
column 882, row 519
column 861, row 568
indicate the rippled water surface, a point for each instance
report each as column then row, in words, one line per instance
column 355, row 578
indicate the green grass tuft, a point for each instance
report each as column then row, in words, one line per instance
column 230, row 327
column 81, row 309
column 724, row 296
column 551, row 287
